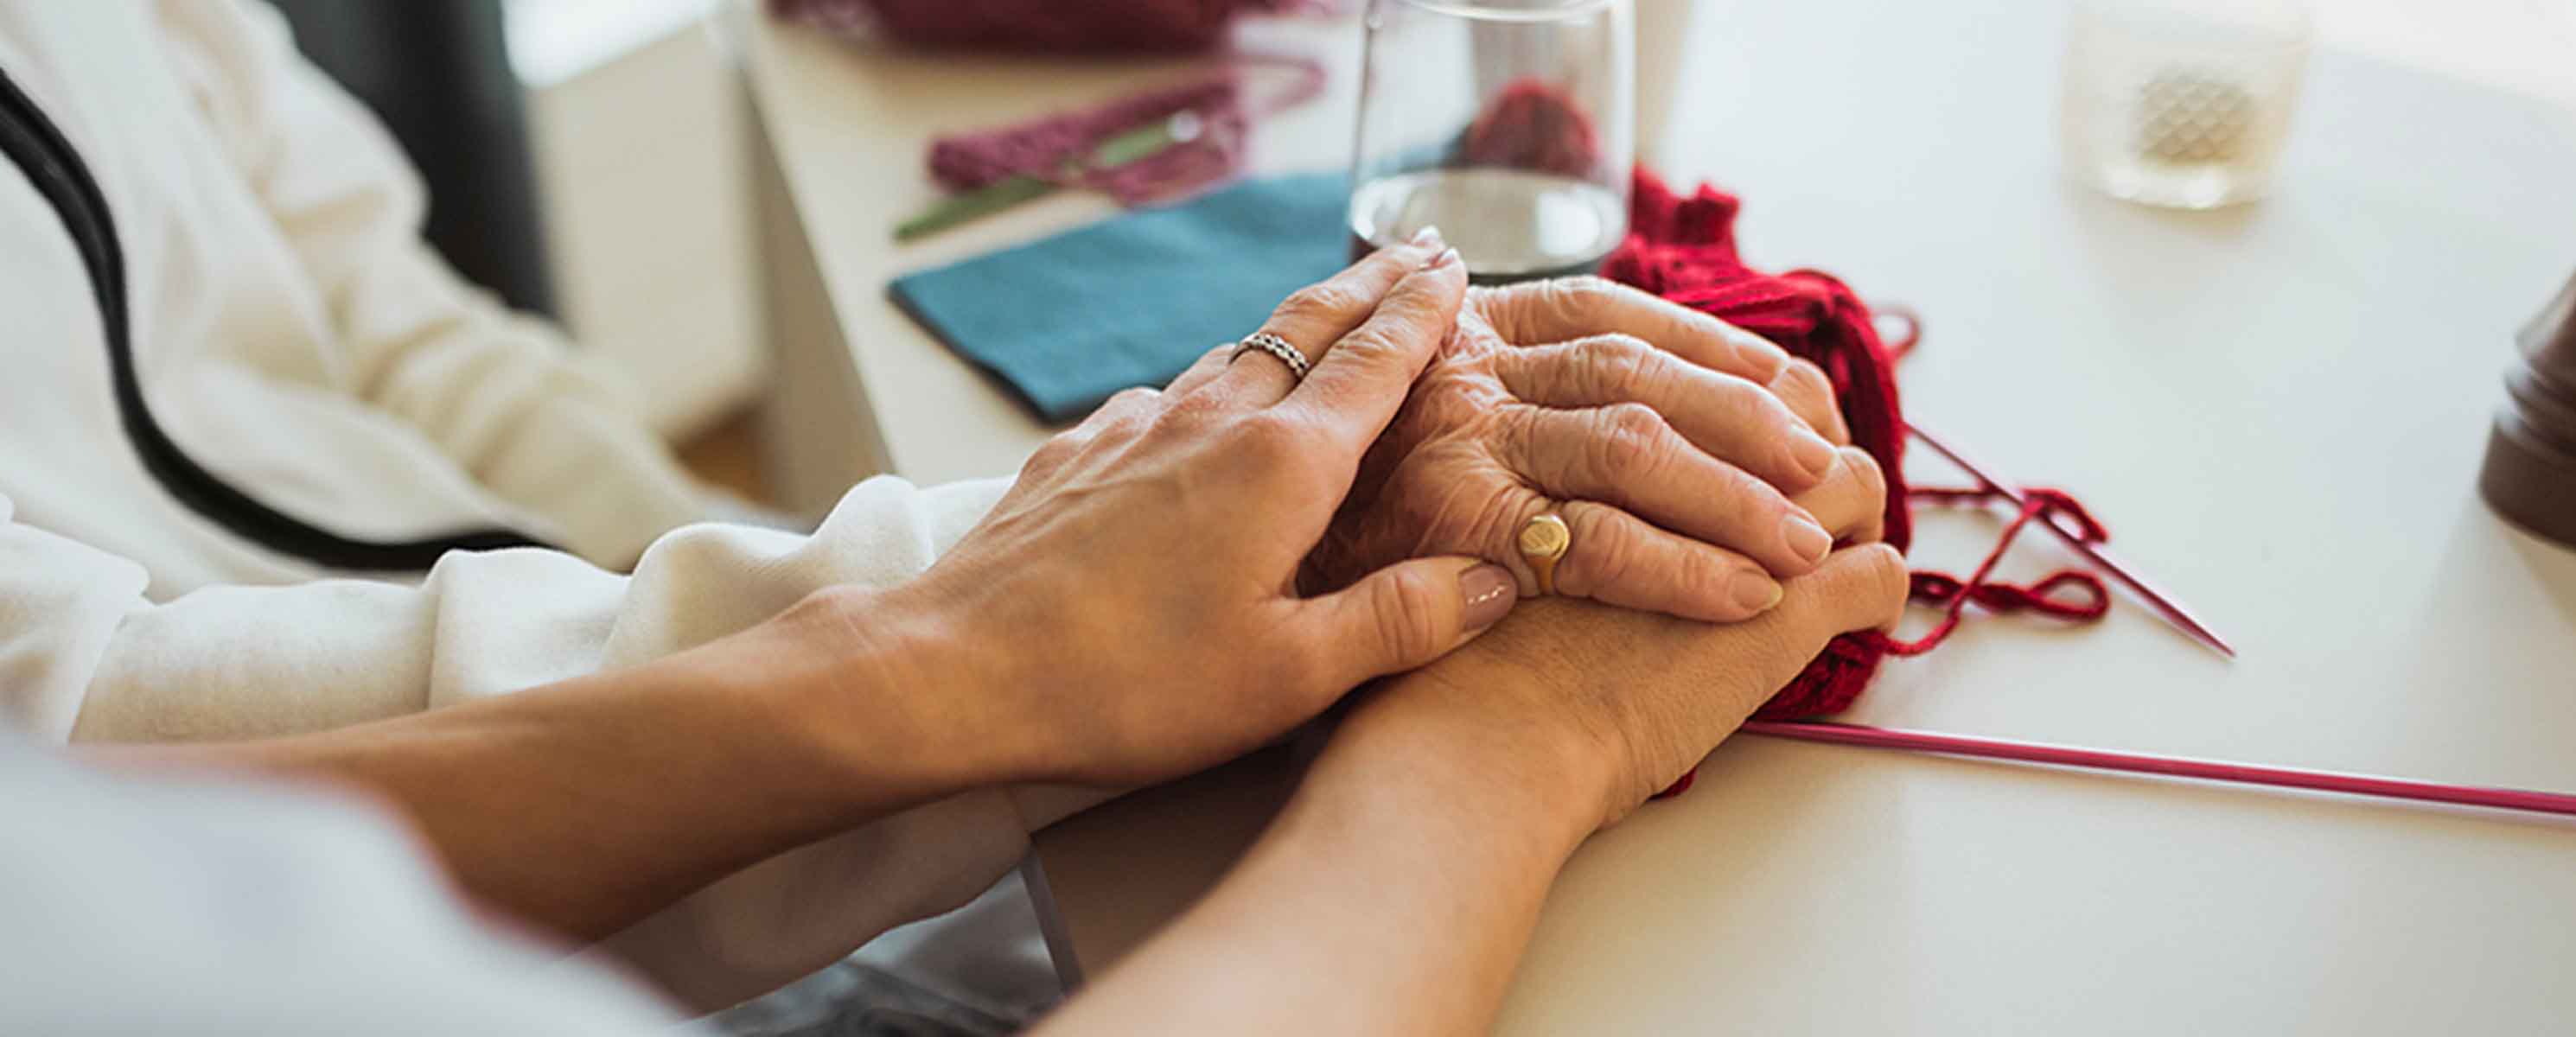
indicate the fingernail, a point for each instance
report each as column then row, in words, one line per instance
column 1814, row 456
column 1428, row 235
column 1446, row 257
column 1755, row 592
column 1490, row 591
column 1762, row 359
column 1805, row 538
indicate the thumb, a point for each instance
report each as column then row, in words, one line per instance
column 1405, row 615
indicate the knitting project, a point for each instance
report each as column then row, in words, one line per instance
column 1684, row 250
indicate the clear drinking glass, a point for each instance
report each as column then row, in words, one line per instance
column 1510, row 124
column 2182, row 103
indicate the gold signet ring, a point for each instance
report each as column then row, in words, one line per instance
column 1543, row 541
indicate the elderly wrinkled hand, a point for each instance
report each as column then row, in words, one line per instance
column 1696, row 465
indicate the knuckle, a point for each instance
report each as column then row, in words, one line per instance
column 1884, row 580
column 1378, row 358
column 1477, row 322
column 1267, row 441
column 1635, row 421
column 1371, row 343
column 1131, row 398
column 1148, row 417
column 1631, row 442
column 1420, row 297
column 1326, row 300
column 1407, row 625
column 1864, row 469
column 1572, row 298
column 1804, row 376
column 1521, row 433
column 1181, row 428
column 1686, row 570
column 1886, row 567
column 1762, row 358
column 1207, row 365
column 1093, row 426
column 1487, row 519
column 1605, row 559
column 1131, row 425
column 1753, row 508
column 1616, row 364
column 1586, row 286
column 1744, row 405
column 1054, row 453
column 1649, row 355
column 1482, row 318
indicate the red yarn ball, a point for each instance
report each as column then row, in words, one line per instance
column 1684, row 250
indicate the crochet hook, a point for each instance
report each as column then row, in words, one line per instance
column 2172, row 610
column 2179, row 767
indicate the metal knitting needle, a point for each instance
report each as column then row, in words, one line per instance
column 2164, row 604
column 2207, row 770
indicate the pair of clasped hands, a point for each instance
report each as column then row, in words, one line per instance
column 1190, row 573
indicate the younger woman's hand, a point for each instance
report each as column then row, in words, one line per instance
column 1128, row 612
column 1679, row 450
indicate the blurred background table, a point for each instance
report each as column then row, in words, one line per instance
column 2278, row 410
column 842, row 132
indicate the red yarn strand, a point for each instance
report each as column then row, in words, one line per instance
column 1943, row 589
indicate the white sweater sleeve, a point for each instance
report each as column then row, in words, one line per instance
column 84, row 655
column 500, row 393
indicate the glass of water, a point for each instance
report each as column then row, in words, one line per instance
column 1509, row 124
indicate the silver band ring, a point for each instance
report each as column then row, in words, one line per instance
column 1266, row 342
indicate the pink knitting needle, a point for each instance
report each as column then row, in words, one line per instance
column 2164, row 603
column 2209, row 770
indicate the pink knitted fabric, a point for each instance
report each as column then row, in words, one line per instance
column 1212, row 117
column 1048, row 26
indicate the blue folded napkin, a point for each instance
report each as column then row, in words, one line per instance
column 1133, row 300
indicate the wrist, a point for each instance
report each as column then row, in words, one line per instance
column 1551, row 781
column 890, row 692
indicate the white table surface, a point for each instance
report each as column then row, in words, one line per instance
column 2278, row 410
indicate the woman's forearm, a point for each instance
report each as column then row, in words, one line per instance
column 1393, row 895
column 581, row 807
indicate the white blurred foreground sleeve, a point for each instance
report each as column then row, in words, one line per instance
column 192, row 904
column 83, row 654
